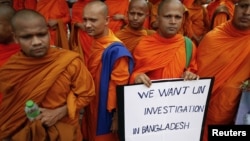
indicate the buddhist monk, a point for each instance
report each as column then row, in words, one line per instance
column 110, row 64
column 224, row 54
column 163, row 54
column 78, row 36
column 117, row 12
column 57, row 15
column 7, row 45
column 53, row 77
column 134, row 31
column 197, row 22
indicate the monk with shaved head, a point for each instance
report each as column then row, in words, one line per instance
column 138, row 11
column 163, row 55
column 224, row 54
column 110, row 64
column 52, row 77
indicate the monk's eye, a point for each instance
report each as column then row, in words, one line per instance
column 178, row 17
column 243, row 5
column 26, row 37
column 42, row 34
column 132, row 13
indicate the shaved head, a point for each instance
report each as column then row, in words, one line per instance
column 24, row 16
column 138, row 11
column 143, row 3
column 163, row 2
column 6, row 12
column 101, row 6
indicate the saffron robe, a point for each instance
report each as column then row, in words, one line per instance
column 224, row 53
column 197, row 22
column 217, row 16
column 131, row 37
column 57, row 79
column 57, row 10
column 24, row 4
column 77, row 36
column 6, row 51
column 117, row 7
column 162, row 58
column 119, row 76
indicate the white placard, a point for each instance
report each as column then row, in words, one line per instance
column 169, row 110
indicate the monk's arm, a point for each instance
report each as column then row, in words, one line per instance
column 119, row 76
column 82, row 83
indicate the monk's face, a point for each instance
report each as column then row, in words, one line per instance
column 5, row 31
column 137, row 14
column 95, row 21
column 241, row 18
column 170, row 19
column 33, row 37
column 6, row 2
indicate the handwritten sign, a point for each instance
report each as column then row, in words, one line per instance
column 169, row 110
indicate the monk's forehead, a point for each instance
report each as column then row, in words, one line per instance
column 138, row 3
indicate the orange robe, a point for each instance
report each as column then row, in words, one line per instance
column 188, row 3
column 216, row 18
column 24, row 4
column 161, row 58
column 119, row 76
column 197, row 23
column 78, row 36
column 153, row 13
column 224, row 54
column 57, row 10
column 131, row 37
column 57, row 79
column 6, row 51
column 117, row 7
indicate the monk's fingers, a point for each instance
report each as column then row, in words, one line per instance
column 146, row 80
column 190, row 76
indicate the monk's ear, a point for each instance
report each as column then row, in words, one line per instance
column 107, row 20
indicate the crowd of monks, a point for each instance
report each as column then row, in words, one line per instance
column 67, row 30
column 201, row 16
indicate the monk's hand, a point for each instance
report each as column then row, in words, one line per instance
column 187, row 75
column 117, row 17
column 53, row 24
column 49, row 117
column 143, row 78
column 114, row 125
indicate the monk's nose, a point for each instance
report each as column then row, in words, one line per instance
column 36, row 40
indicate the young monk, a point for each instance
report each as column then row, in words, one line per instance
column 78, row 36
column 110, row 64
column 53, row 77
column 224, row 54
column 163, row 54
column 137, row 13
